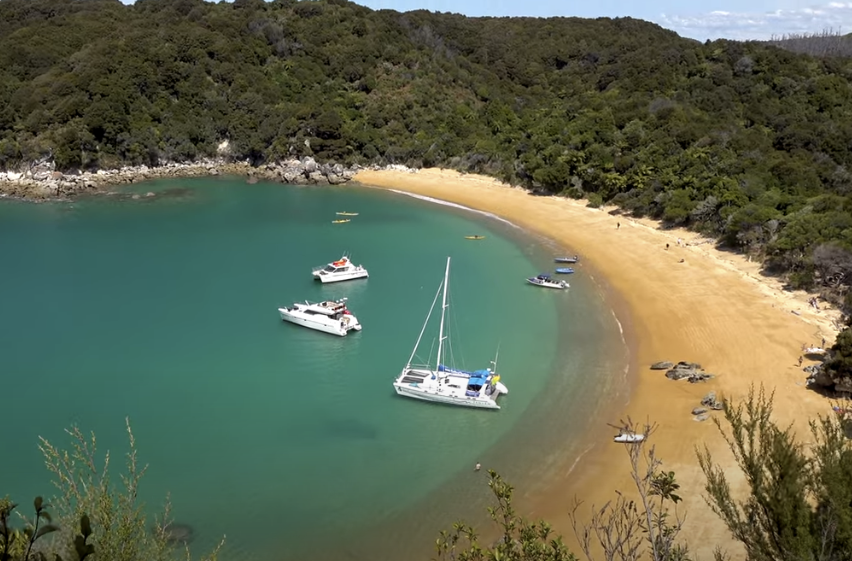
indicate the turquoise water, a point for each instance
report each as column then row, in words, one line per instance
column 289, row 441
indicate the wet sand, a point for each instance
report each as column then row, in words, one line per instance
column 713, row 308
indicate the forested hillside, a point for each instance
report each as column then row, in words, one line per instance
column 746, row 141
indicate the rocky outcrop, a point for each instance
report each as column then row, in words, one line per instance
column 41, row 181
column 819, row 378
column 690, row 371
column 306, row 172
column 662, row 365
column 710, row 400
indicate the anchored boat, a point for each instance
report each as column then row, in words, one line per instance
column 331, row 316
column 546, row 281
column 447, row 384
column 567, row 259
column 341, row 270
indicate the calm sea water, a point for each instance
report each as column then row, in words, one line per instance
column 289, row 441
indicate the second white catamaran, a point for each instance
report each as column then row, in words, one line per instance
column 446, row 384
column 331, row 316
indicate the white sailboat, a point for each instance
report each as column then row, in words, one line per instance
column 445, row 384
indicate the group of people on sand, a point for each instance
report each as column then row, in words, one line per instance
column 807, row 348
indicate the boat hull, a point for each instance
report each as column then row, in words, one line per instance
column 414, row 392
column 340, row 277
column 332, row 328
column 629, row 438
column 549, row 285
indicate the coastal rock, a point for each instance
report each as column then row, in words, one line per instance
column 819, row 377
column 663, row 365
column 710, row 401
column 41, row 181
column 309, row 165
column 699, row 410
column 702, row 417
column 690, row 371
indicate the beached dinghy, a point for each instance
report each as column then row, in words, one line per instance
column 564, row 270
column 546, row 281
column 629, row 437
column 567, row 259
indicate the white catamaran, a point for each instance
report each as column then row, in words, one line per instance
column 444, row 384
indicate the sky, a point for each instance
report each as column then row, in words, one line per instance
column 698, row 19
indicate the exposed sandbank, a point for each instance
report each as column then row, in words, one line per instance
column 713, row 308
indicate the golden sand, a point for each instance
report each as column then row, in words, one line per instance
column 713, row 308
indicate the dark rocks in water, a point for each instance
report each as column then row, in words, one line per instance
column 349, row 429
column 663, row 365
column 177, row 533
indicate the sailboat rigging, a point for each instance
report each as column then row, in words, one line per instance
column 446, row 384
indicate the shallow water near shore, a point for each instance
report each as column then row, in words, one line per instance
column 291, row 441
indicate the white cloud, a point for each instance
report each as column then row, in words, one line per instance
column 836, row 16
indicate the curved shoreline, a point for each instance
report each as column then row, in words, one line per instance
column 713, row 308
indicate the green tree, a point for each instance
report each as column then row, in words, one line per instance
column 113, row 525
column 625, row 529
column 799, row 503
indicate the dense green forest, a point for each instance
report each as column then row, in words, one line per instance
column 748, row 142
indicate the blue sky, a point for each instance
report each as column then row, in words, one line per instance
column 699, row 19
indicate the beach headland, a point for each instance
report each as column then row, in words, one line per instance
column 686, row 301
column 40, row 181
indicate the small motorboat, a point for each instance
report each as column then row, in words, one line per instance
column 564, row 270
column 474, row 237
column 546, row 281
column 567, row 259
column 629, row 437
column 347, row 214
column 340, row 221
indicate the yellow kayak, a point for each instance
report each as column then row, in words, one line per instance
column 339, row 221
column 474, row 237
column 347, row 214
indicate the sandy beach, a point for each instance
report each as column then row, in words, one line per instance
column 712, row 307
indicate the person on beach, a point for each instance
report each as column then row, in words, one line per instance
column 618, row 225
column 667, row 247
column 800, row 360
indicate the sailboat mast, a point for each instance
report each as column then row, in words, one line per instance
column 443, row 314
